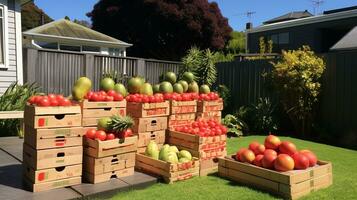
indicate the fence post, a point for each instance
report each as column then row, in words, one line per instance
column 89, row 66
column 141, row 68
column 31, row 63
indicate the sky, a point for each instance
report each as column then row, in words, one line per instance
column 234, row 10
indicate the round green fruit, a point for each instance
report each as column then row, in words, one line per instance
column 184, row 85
column 193, row 87
column 146, row 88
column 189, row 77
column 204, row 89
column 184, row 160
column 134, row 85
column 178, row 88
column 166, row 87
column 120, row 88
column 170, row 77
column 156, row 88
column 84, row 82
column 185, row 154
column 103, row 123
column 107, row 84
column 78, row 93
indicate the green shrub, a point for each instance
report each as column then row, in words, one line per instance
column 236, row 127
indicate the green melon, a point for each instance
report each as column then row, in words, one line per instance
column 178, row 88
column 184, row 85
column 156, row 88
column 166, row 87
column 107, row 84
column 204, row 89
column 188, row 76
column 146, row 88
column 193, row 87
column 134, row 85
column 120, row 88
column 170, row 77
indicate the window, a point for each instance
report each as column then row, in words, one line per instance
column 114, row 52
column 274, row 38
column 47, row 45
column 70, row 48
column 91, row 49
column 2, row 42
column 283, row 38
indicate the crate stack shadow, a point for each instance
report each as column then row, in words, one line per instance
column 52, row 149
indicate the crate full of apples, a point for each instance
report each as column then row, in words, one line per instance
column 277, row 166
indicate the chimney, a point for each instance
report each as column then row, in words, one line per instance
column 249, row 25
column 42, row 19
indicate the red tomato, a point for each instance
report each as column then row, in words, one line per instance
column 206, row 98
column 91, row 133
column 111, row 93
column 224, row 129
column 110, row 136
column 145, row 99
column 93, row 97
column 64, row 102
column 32, row 100
column 89, row 95
column 44, row 102
column 128, row 132
column 152, row 99
column 103, row 93
column 168, row 96
column 51, row 96
column 59, row 97
column 109, row 98
column 100, row 135
column 38, row 99
column 118, row 97
column 54, row 102
column 101, row 97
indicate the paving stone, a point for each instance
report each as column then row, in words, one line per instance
column 13, row 146
column 4, row 141
column 105, row 189
column 139, row 180
column 6, row 159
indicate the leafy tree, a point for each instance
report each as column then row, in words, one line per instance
column 163, row 29
column 296, row 78
column 83, row 23
column 236, row 45
column 31, row 16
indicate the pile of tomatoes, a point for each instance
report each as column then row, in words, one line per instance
column 103, row 136
column 142, row 98
column 212, row 96
column 111, row 95
column 203, row 128
column 49, row 100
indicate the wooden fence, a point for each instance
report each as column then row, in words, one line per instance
column 56, row 71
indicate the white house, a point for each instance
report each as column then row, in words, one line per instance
column 10, row 43
column 65, row 35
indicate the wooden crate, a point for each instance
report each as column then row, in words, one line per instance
column 150, row 124
column 52, row 117
column 40, row 187
column 99, row 149
column 145, row 138
column 180, row 107
column 215, row 115
column 208, row 106
column 51, row 174
column 292, row 184
column 148, row 109
column 98, row 166
column 51, row 158
column 178, row 120
column 93, row 111
column 168, row 171
column 107, row 176
column 53, row 138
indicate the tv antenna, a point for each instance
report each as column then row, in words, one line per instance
column 248, row 14
column 317, row 4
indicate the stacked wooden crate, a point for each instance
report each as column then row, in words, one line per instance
column 53, row 151
column 92, row 111
column 207, row 149
column 210, row 110
column 108, row 159
column 181, row 113
column 150, row 122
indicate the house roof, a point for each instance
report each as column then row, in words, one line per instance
column 289, row 16
column 349, row 41
column 304, row 21
column 69, row 31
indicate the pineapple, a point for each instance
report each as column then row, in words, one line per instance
column 119, row 124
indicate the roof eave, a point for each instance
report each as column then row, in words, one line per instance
column 99, row 42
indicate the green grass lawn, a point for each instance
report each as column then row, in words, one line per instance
column 211, row 187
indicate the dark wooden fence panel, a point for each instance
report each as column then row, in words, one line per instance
column 154, row 69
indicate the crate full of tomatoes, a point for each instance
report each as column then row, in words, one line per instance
column 142, row 105
column 109, row 150
column 206, row 140
column 277, row 166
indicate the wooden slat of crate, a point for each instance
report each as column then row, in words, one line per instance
column 107, row 176
column 208, row 106
column 52, row 110
column 50, row 158
column 142, row 125
column 179, row 107
column 192, row 145
column 145, row 138
column 53, row 138
column 103, row 112
column 51, row 174
column 98, row 166
column 92, row 120
column 99, row 149
column 139, row 110
column 40, row 187
column 213, row 115
column 103, row 104
column 180, row 120
column 53, row 121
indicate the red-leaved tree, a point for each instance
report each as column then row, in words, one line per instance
column 162, row 29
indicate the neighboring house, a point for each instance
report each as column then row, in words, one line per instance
column 10, row 43
column 64, row 35
column 293, row 30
